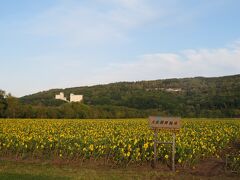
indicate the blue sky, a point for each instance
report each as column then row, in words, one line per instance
column 67, row 43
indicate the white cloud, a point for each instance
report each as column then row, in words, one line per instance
column 94, row 22
column 83, row 24
column 187, row 63
column 90, row 23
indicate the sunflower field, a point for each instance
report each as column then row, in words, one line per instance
column 117, row 141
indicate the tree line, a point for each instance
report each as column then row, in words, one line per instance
column 12, row 107
column 188, row 97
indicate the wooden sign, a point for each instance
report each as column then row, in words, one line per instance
column 165, row 123
column 169, row 123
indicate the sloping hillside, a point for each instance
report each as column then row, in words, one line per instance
column 199, row 96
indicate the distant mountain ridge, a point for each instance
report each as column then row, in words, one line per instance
column 195, row 97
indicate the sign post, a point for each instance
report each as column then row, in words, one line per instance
column 165, row 123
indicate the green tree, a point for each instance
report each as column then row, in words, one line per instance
column 3, row 104
column 13, row 107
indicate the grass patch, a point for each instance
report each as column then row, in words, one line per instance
column 17, row 176
column 42, row 170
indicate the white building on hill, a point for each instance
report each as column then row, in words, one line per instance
column 60, row 96
column 76, row 98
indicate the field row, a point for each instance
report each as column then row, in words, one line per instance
column 120, row 141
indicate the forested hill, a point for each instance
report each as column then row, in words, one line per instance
column 192, row 97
